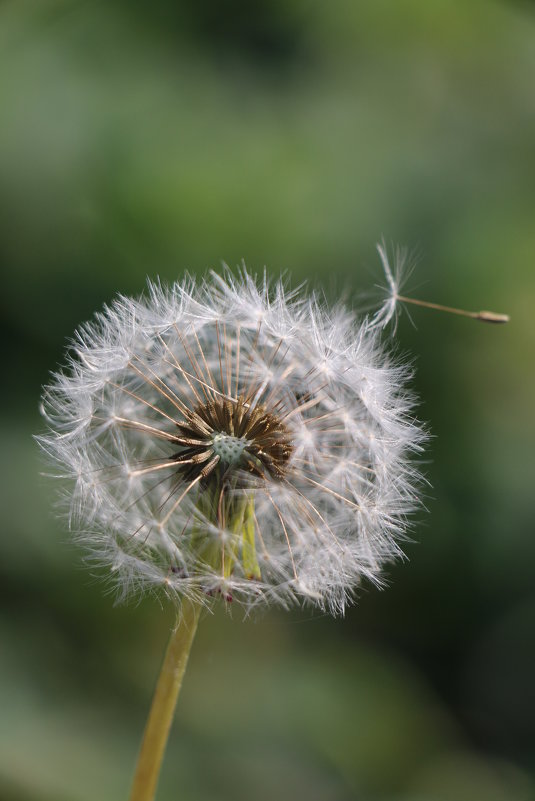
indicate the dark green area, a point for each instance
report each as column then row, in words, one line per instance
column 146, row 139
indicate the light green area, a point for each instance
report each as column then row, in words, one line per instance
column 229, row 449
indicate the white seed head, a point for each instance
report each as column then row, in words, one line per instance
column 235, row 438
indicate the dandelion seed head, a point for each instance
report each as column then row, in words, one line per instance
column 233, row 438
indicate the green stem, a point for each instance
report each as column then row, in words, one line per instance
column 163, row 704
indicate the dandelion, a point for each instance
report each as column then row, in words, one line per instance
column 237, row 441
column 234, row 440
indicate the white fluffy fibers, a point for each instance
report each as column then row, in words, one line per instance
column 232, row 438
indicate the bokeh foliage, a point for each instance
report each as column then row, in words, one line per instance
column 141, row 139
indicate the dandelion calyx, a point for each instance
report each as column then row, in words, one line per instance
column 225, row 443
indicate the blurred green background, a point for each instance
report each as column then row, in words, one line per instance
column 149, row 138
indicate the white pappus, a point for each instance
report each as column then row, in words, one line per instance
column 396, row 277
column 233, row 438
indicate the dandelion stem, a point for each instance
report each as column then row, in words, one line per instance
column 164, row 703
